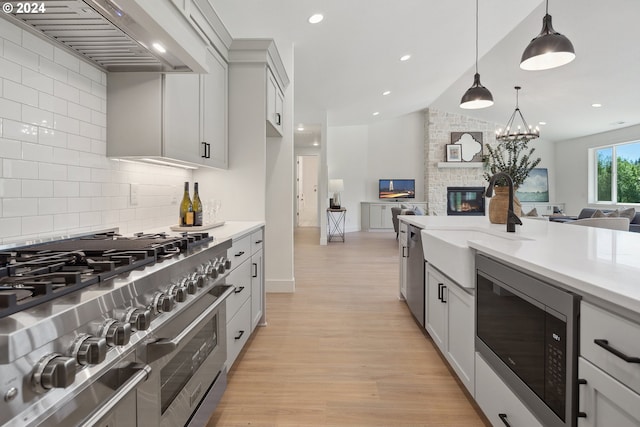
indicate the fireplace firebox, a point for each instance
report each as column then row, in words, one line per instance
column 465, row 201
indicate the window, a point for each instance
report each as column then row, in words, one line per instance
column 617, row 177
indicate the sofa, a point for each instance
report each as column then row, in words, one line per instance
column 403, row 210
column 634, row 222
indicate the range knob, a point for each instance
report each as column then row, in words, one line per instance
column 221, row 265
column 53, row 371
column 227, row 263
column 199, row 279
column 89, row 350
column 162, row 303
column 179, row 293
column 115, row 332
column 212, row 270
column 190, row 286
column 138, row 318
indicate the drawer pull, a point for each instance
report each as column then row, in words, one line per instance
column 255, row 270
column 258, row 242
column 582, row 415
column 440, row 286
column 503, row 418
column 238, row 290
column 582, row 381
column 240, row 253
column 605, row 344
column 240, row 334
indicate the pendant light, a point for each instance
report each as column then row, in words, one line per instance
column 477, row 96
column 549, row 49
column 517, row 131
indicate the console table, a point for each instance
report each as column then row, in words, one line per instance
column 336, row 219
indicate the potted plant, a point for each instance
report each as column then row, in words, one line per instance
column 515, row 158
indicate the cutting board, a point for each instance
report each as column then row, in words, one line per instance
column 197, row 228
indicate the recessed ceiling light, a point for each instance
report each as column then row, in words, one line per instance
column 159, row 47
column 405, row 57
column 300, row 128
column 314, row 19
column 596, row 105
column 376, row 113
column 315, row 144
column 542, row 123
column 386, row 92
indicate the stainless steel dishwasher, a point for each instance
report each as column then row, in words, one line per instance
column 415, row 274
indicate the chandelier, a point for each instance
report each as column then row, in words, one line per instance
column 519, row 130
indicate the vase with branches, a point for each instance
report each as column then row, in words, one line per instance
column 514, row 158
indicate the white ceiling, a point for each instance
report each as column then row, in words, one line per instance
column 343, row 64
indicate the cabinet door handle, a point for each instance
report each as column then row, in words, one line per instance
column 605, row 344
column 503, row 418
column 444, row 288
column 240, row 253
column 240, row 334
column 440, row 286
column 204, row 150
column 255, row 270
column 404, row 252
column 278, row 118
column 208, row 150
column 238, row 290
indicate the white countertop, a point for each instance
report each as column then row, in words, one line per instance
column 230, row 230
column 593, row 262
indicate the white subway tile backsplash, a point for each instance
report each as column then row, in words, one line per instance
column 37, row 224
column 37, row 45
column 19, row 207
column 52, row 137
column 35, row 80
column 66, row 221
column 11, row 32
column 20, row 131
column 10, row 70
column 51, row 103
column 36, row 152
column 10, row 148
column 36, row 116
column 65, row 157
column 51, row 206
column 66, row 124
column 52, row 171
column 53, row 70
column 18, row 54
column 10, row 227
column 10, row 188
column 19, row 93
column 79, row 173
column 37, row 188
column 90, row 189
column 66, row 189
column 79, row 204
column 79, row 143
column 66, row 59
column 90, row 131
column 19, row 169
column 65, row 91
column 91, row 72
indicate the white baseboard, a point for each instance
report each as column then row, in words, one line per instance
column 280, row 286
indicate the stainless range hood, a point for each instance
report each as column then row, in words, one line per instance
column 103, row 32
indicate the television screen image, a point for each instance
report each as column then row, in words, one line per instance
column 397, row 188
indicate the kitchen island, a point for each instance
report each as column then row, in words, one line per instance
column 598, row 266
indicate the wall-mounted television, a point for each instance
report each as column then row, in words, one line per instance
column 397, row 188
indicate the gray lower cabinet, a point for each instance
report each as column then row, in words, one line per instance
column 246, row 306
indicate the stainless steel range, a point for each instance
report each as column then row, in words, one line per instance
column 113, row 331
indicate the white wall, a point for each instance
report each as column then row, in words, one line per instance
column 361, row 155
column 572, row 165
column 55, row 177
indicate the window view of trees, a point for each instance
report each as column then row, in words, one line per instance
column 623, row 176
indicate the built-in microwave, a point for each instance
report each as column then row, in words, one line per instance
column 527, row 331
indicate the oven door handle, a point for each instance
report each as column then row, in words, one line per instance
column 163, row 346
column 143, row 372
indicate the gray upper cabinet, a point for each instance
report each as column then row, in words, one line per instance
column 275, row 106
column 177, row 118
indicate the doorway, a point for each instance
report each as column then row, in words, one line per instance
column 307, row 191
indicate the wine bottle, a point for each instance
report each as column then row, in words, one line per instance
column 197, row 206
column 186, row 208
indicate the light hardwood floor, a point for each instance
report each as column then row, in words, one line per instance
column 343, row 350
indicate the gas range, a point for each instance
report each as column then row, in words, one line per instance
column 81, row 320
